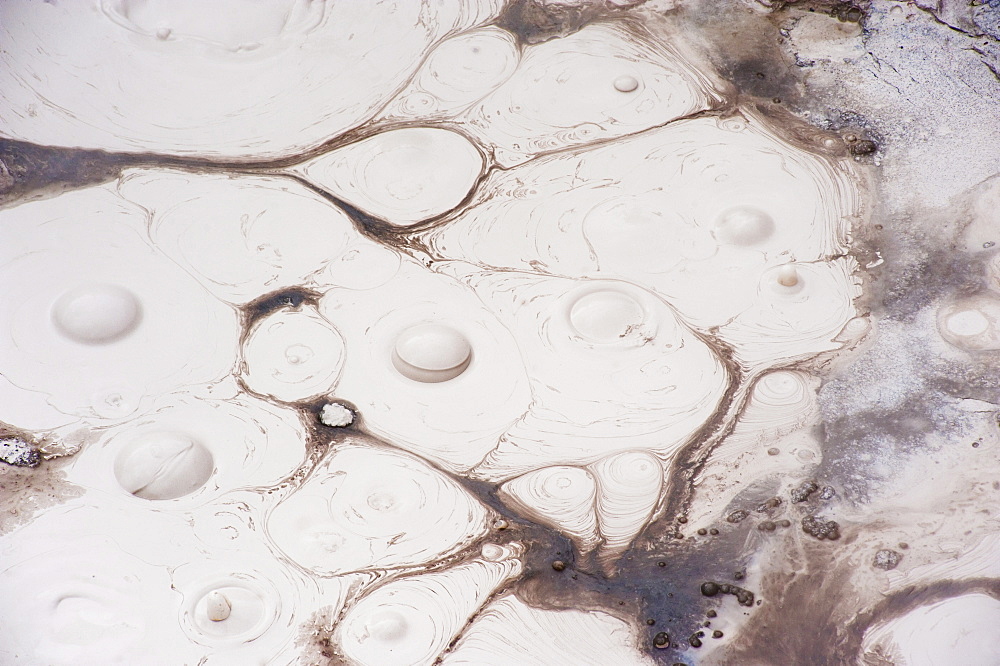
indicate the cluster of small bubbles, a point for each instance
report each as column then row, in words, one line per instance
column 19, row 453
column 886, row 559
column 737, row 516
column 771, row 525
column 802, row 493
column 743, row 596
column 820, row 528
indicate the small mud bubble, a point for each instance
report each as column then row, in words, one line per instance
column 661, row 640
column 558, row 565
column 626, row 84
column 766, row 526
column 717, row 634
column 651, row 622
column 711, row 613
column 737, row 516
column 773, row 451
column 709, row 589
column 886, row 559
column 903, row 545
column 713, row 531
column 682, row 520
column 500, row 524
column 695, row 639
column 661, row 564
column 702, row 532
column 784, row 522
column 740, row 575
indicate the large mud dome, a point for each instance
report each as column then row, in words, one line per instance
column 475, row 332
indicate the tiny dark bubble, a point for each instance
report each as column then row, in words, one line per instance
column 695, row 642
column 651, row 622
column 772, row 503
column 558, row 565
column 766, row 526
column 739, row 575
column 713, row 531
column 863, row 147
column 975, row 445
column 711, row 613
column 717, row 634
column 709, row 589
column 661, row 640
column 776, row 100
column 706, row 623
column 702, row 532
column 661, row 564
column 621, row 603
column 784, row 522
column 903, row 545
column 682, row 520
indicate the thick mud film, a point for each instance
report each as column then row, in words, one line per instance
column 485, row 332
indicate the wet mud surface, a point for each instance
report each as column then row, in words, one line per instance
column 782, row 535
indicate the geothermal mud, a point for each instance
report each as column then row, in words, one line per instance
column 516, row 333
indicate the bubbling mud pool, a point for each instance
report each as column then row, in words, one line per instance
column 476, row 332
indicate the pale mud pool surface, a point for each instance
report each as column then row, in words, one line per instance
column 485, row 332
